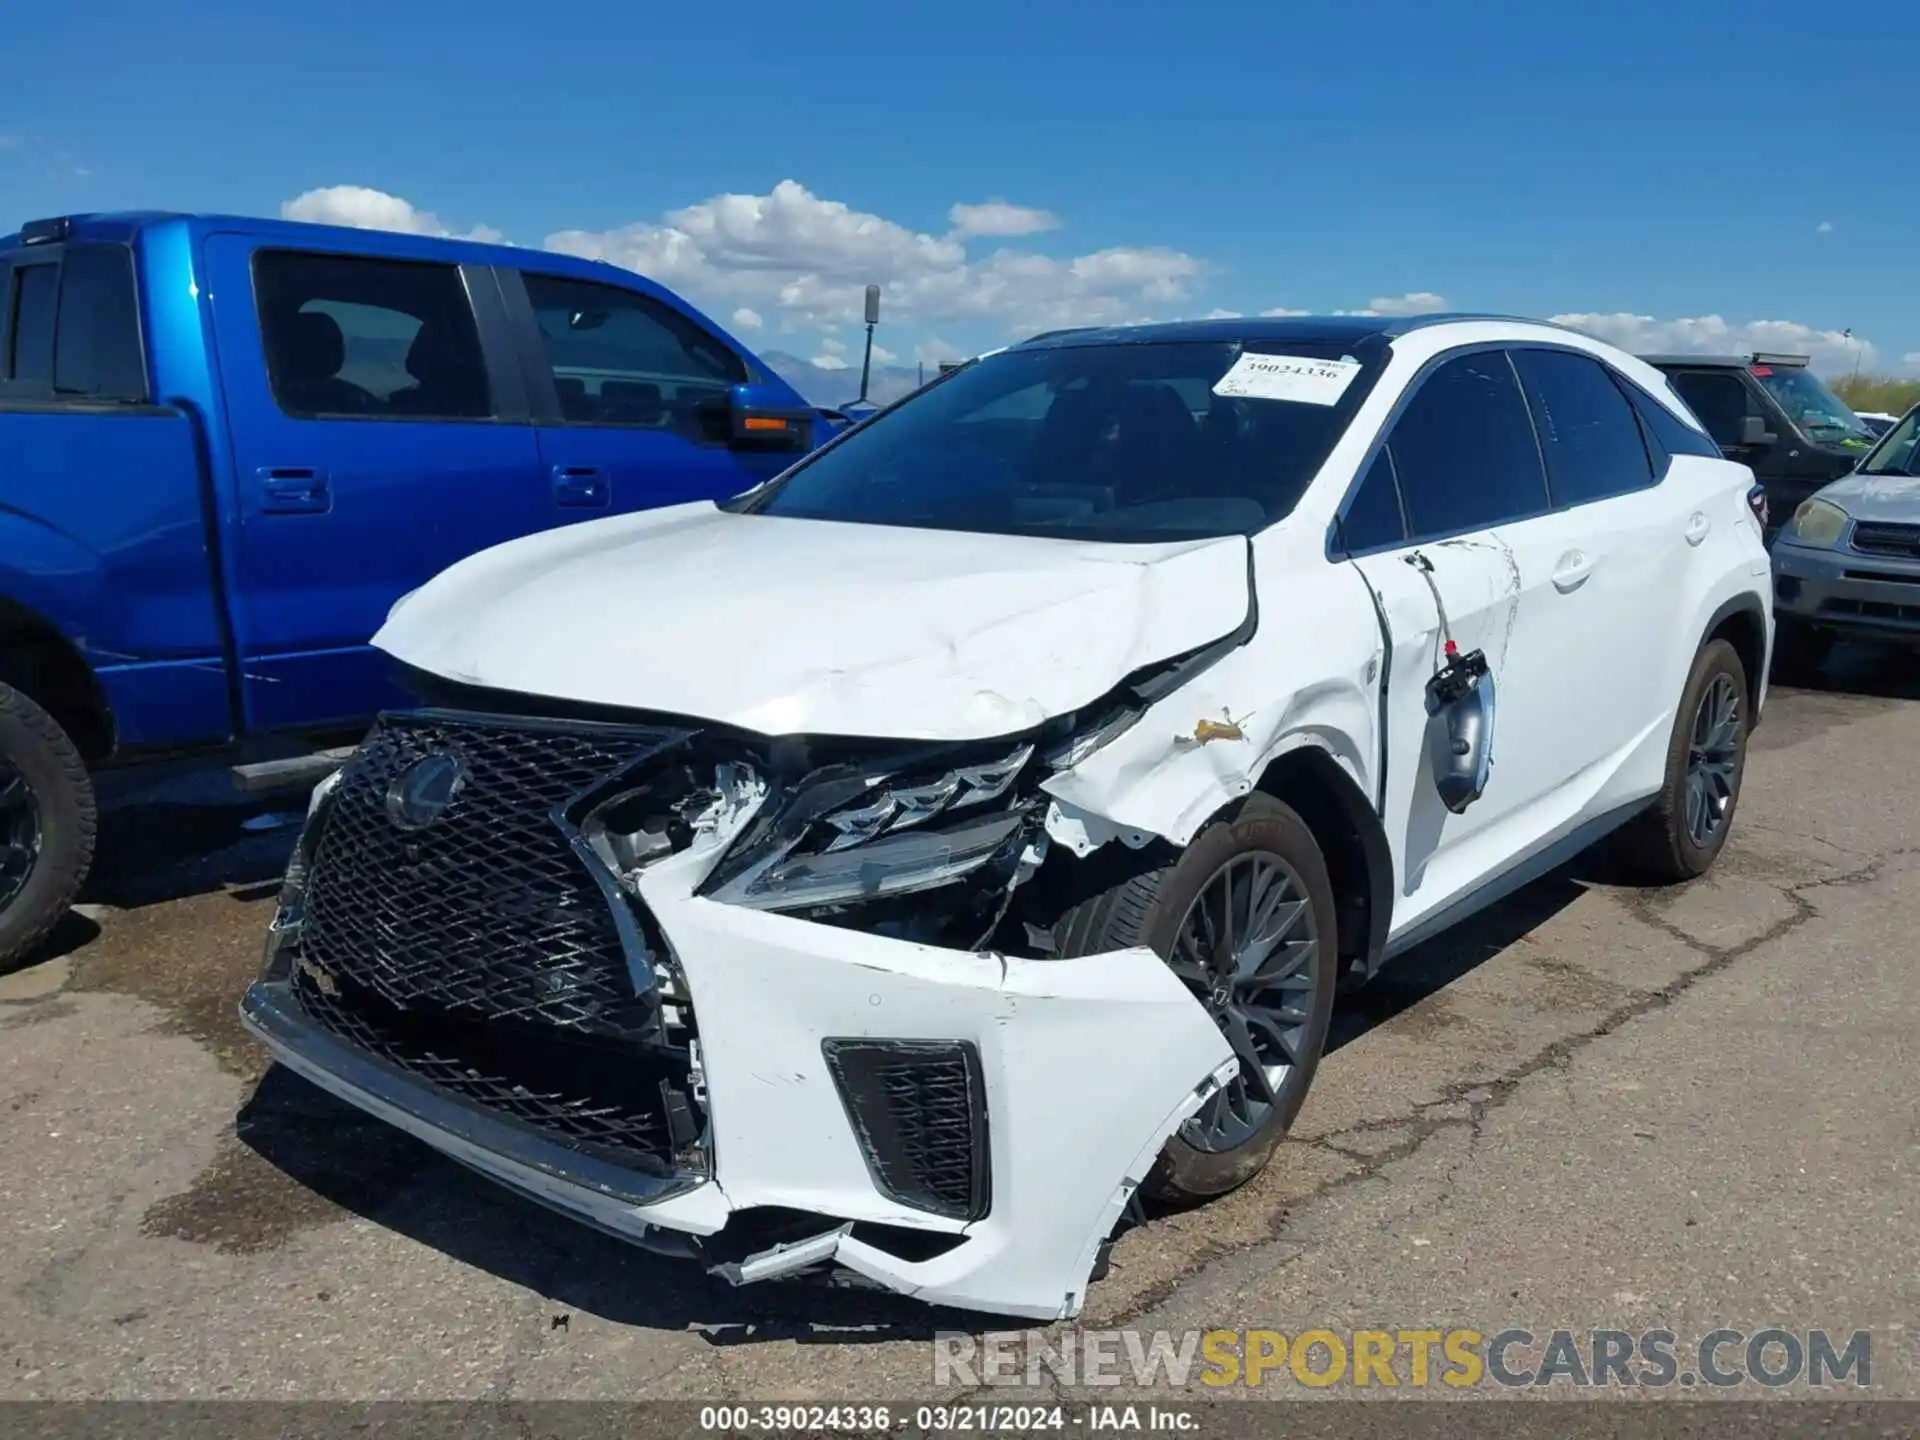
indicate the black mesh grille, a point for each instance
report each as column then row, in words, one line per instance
column 920, row 1113
column 1878, row 538
column 487, row 912
column 593, row 1095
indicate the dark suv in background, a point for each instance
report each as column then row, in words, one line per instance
column 1775, row 416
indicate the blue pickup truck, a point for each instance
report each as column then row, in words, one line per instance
column 227, row 446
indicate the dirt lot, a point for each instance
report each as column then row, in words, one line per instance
column 1592, row 1107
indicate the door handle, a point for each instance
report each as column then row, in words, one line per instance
column 1572, row 571
column 581, row 486
column 1697, row 527
column 293, row 490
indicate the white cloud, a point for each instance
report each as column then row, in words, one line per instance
column 883, row 356
column 932, row 350
column 1830, row 350
column 1825, row 227
column 811, row 258
column 1911, row 360
column 1281, row 311
column 1218, row 314
column 745, row 319
column 997, row 217
column 364, row 208
column 833, row 346
column 828, row 361
column 1414, row 302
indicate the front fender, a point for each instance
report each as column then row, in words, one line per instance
column 1309, row 676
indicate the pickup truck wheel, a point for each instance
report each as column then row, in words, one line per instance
column 1244, row 916
column 46, row 823
column 1683, row 832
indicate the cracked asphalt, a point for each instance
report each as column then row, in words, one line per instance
column 1591, row 1107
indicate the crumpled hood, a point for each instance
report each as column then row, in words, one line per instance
column 787, row 626
column 1877, row 497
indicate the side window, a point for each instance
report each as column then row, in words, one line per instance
column 619, row 358
column 1587, row 430
column 1464, row 450
column 29, row 367
column 96, row 350
column 1719, row 398
column 1373, row 520
column 373, row 339
column 1665, row 428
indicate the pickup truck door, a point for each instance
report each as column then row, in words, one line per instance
column 379, row 433
column 629, row 393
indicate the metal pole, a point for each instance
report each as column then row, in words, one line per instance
column 866, row 364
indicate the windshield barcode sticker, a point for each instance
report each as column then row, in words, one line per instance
column 1287, row 377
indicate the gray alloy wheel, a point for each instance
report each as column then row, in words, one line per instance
column 1246, row 947
column 1713, row 761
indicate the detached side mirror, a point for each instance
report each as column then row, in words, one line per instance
column 759, row 420
column 1754, row 432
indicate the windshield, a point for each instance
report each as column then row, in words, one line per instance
column 1119, row 442
column 1899, row 451
column 1820, row 414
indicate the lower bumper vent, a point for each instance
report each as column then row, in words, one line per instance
column 615, row 1101
column 919, row 1110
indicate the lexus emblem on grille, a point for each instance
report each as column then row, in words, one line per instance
column 421, row 793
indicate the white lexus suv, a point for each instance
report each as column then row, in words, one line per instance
column 897, row 873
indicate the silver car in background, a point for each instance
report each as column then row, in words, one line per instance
column 1848, row 563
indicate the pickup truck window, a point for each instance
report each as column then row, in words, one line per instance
column 96, row 348
column 356, row 338
column 619, row 359
column 30, row 337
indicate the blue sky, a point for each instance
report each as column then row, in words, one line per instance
column 1678, row 175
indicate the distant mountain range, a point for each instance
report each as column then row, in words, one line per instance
column 830, row 388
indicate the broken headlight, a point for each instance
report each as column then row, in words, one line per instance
column 847, row 833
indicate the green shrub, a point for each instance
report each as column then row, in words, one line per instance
column 1885, row 393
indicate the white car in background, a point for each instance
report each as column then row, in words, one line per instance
column 896, row 872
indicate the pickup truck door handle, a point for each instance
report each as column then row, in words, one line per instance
column 581, row 485
column 1697, row 527
column 293, row 490
column 1572, row 571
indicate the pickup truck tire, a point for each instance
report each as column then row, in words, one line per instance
column 47, row 821
column 1260, row 852
column 1683, row 832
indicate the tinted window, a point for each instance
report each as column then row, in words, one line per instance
column 1899, row 450
column 1820, row 414
column 1666, row 430
column 618, row 358
column 96, row 353
column 30, row 344
column 1107, row 442
column 1464, row 449
column 346, row 336
column 1719, row 398
column 1373, row 518
column 1587, row 431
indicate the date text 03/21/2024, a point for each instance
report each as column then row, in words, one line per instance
column 942, row 1419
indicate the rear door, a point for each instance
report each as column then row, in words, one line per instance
column 379, row 433
column 1625, row 542
column 630, row 394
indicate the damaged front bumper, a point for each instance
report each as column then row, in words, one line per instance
column 963, row 1127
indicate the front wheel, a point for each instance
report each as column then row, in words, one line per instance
column 1244, row 916
column 1683, row 832
column 46, row 823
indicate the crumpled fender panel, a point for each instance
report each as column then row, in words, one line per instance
column 1309, row 675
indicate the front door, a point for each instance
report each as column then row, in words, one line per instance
column 373, row 446
column 1453, row 514
column 636, row 415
